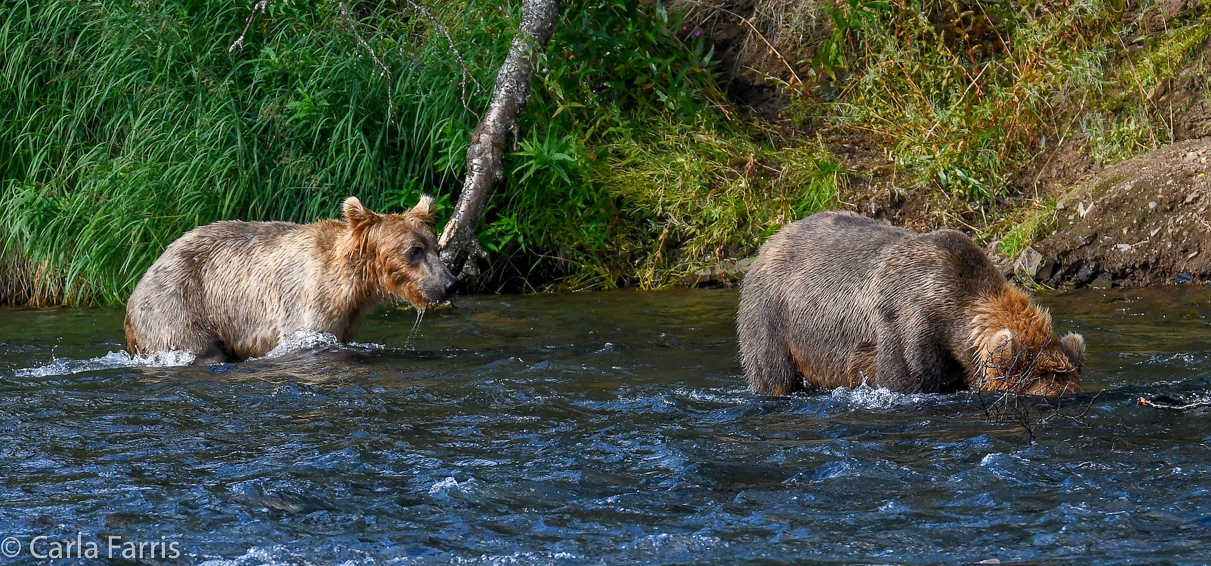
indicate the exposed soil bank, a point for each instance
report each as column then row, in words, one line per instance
column 1145, row 221
column 1141, row 222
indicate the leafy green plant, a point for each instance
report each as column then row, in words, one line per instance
column 1035, row 225
column 128, row 123
column 849, row 18
column 548, row 154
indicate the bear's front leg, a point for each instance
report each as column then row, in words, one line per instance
column 892, row 367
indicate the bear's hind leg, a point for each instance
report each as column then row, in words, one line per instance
column 212, row 353
column 767, row 361
column 912, row 362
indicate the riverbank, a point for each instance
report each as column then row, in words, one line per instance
column 662, row 141
column 1138, row 223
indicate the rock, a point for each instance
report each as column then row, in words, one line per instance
column 724, row 272
column 1032, row 264
column 119, row 520
column 1086, row 272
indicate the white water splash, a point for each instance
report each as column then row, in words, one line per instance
column 258, row 556
column 311, row 341
column 880, row 398
column 302, row 340
column 674, row 544
column 445, row 485
column 67, row 366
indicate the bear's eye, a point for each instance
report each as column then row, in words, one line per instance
column 415, row 255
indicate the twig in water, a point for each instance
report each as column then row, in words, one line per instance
column 1015, row 369
column 239, row 43
column 1170, row 404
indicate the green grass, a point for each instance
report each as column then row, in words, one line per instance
column 128, row 123
column 707, row 197
column 1036, row 224
column 959, row 114
column 1129, row 121
column 964, row 96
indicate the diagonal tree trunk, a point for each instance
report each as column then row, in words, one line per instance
column 485, row 157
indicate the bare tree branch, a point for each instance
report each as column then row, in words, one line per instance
column 466, row 74
column 239, row 43
column 485, row 156
column 362, row 42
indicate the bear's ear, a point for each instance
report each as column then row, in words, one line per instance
column 993, row 353
column 997, row 347
column 1074, row 346
column 424, row 210
column 359, row 217
column 1000, row 340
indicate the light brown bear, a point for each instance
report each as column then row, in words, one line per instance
column 231, row 290
column 836, row 299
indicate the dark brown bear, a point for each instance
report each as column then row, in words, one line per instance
column 836, row 299
column 231, row 290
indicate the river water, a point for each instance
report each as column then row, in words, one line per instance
column 595, row 428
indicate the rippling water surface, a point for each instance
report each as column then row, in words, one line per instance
column 596, row 428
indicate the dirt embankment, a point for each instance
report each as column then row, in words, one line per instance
column 1144, row 221
column 1141, row 222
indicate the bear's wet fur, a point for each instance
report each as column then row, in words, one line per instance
column 231, row 290
column 837, row 299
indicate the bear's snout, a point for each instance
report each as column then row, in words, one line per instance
column 450, row 287
column 443, row 288
column 439, row 285
column 1054, row 387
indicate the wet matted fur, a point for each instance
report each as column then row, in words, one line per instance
column 836, row 299
column 231, row 290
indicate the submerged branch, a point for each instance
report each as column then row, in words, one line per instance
column 1170, row 404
